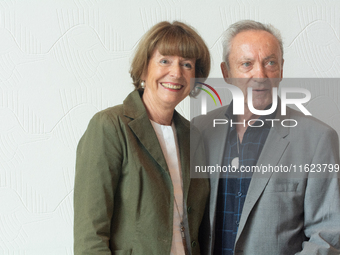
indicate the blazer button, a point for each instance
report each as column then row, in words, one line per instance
column 193, row 244
column 189, row 209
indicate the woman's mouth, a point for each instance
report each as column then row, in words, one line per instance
column 171, row 86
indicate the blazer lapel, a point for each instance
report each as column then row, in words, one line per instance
column 271, row 153
column 183, row 138
column 216, row 141
column 142, row 127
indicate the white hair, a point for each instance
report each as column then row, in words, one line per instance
column 246, row 25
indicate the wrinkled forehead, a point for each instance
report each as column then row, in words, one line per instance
column 255, row 41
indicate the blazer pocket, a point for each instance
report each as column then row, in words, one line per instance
column 122, row 252
column 281, row 187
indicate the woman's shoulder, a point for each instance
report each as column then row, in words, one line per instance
column 108, row 115
column 112, row 112
column 110, row 120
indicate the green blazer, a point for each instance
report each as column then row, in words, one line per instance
column 123, row 194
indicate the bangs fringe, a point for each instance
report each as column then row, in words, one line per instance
column 179, row 43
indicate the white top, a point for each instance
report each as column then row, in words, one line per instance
column 168, row 140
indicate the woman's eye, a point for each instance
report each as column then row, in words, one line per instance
column 188, row 65
column 164, row 61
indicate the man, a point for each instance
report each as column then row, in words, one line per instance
column 267, row 214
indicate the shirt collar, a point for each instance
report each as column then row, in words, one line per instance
column 229, row 114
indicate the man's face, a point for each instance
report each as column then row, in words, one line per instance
column 255, row 59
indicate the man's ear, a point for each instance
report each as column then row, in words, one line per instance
column 225, row 71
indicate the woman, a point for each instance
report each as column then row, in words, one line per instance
column 133, row 193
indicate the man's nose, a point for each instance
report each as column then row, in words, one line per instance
column 259, row 73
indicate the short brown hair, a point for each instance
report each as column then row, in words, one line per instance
column 176, row 39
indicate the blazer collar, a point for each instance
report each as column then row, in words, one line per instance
column 272, row 151
column 216, row 142
column 133, row 105
column 142, row 128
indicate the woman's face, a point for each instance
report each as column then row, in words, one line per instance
column 167, row 81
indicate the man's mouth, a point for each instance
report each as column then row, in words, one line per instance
column 171, row 86
column 260, row 90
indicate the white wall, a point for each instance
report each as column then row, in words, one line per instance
column 62, row 61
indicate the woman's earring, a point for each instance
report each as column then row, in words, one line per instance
column 142, row 84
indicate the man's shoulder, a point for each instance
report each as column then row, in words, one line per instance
column 311, row 132
column 202, row 122
column 308, row 123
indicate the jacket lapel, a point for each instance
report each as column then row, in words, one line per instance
column 183, row 138
column 216, row 141
column 271, row 153
column 142, row 127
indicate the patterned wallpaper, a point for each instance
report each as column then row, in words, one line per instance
column 62, row 61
